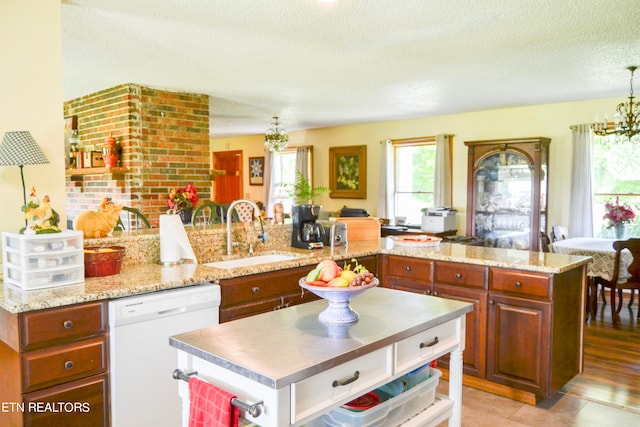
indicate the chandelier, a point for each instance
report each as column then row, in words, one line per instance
column 276, row 137
column 627, row 120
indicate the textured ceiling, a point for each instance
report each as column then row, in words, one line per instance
column 317, row 64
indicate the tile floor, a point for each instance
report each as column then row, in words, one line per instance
column 481, row 409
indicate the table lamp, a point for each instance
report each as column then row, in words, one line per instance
column 19, row 148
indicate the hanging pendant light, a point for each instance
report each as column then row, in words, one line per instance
column 627, row 120
column 276, row 138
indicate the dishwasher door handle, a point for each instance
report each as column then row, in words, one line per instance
column 171, row 311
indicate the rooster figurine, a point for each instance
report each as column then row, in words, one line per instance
column 42, row 217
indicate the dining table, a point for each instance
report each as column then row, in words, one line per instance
column 602, row 263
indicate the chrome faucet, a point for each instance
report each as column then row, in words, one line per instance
column 256, row 214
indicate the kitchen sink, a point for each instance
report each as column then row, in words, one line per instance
column 251, row 261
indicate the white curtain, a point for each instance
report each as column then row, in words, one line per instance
column 302, row 162
column 442, row 184
column 268, row 182
column 385, row 200
column 581, row 207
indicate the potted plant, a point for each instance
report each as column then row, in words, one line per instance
column 303, row 192
column 182, row 201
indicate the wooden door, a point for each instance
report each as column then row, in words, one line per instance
column 228, row 187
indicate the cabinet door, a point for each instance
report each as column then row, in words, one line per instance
column 79, row 403
column 476, row 327
column 518, row 352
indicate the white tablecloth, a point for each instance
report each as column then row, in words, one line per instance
column 600, row 250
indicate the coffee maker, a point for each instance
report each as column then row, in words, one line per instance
column 307, row 233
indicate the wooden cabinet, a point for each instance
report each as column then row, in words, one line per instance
column 535, row 342
column 260, row 293
column 525, row 329
column 61, row 357
column 507, row 185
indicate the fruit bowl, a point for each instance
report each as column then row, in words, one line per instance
column 338, row 311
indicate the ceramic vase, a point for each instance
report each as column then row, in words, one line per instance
column 185, row 216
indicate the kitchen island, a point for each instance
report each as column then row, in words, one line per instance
column 551, row 285
column 292, row 362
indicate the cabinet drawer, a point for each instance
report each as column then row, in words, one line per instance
column 246, row 289
column 318, row 392
column 60, row 325
column 50, row 366
column 522, row 283
column 425, row 346
column 409, row 268
column 85, row 402
column 453, row 273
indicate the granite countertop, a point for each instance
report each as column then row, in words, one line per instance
column 151, row 277
column 304, row 346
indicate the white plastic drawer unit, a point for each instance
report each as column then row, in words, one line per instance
column 340, row 384
column 43, row 260
column 426, row 346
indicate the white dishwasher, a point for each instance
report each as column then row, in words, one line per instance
column 143, row 393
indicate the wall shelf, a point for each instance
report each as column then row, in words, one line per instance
column 96, row 171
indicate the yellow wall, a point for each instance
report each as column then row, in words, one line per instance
column 31, row 88
column 549, row 120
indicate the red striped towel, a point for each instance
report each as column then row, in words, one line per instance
column 210, row 406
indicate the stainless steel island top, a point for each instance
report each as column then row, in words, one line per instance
column 285, row 346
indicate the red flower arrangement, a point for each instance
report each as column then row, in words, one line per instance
column 618, row 214
column 183, row 198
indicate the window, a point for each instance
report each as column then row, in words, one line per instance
column 615, row 174
column 285, row 166
column 414, row 171
column 284, row 171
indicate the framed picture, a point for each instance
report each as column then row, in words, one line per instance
column 348, row 172
column 256, row 170
column 70, row 123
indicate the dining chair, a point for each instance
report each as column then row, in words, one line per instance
column 544, row 242
column 618, row 284
column 210, row 213
column 559, row 232
column 134, row 218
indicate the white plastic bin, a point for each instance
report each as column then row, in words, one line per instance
column 43, row 260
column 394, row 410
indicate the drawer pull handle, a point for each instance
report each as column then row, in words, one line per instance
column 407, row 268
column 255, row 289
column 338, row 383
column 68, row 364
column 458, row 276
column 68, row 324
column 430, row 344
column 518, row 284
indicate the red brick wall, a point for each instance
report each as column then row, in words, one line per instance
column 164, row 140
